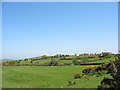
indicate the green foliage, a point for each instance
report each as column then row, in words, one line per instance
column 105, row 55
column 25, row 59
column 53, row 63
column 64, row 59
column 92, row 70
column 44, row 57
column 31, row 61
column 103, row 66
column 94, row 73
column 114, row 70
column 107, row 83
column 9, row 63
column 76, row 62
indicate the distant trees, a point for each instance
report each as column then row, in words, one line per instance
column 105, row 55
column 26, row 59
column 60, row 55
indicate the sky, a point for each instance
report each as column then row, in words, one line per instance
column 47, row 28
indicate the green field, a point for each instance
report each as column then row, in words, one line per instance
column 56, row 74
column 46, row 77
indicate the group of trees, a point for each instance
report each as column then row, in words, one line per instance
column 105, row 55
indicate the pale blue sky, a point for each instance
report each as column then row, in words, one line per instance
column 35, row 29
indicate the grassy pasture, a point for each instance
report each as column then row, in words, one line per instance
column 105, row 60
column 46, row 77
column 70, row 61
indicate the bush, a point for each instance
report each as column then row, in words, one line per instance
column 105, row 55
column 71, row 83
column 114, row 70
column 98, row 71
column 88, row 69
column 76, row 62
column 107, row 83
column 84, row 61
column 44, row 57
column 103, row 66
column 53, row 63
column 77, row 75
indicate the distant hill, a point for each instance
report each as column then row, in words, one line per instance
column 4, row 60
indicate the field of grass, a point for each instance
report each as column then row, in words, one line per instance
column 105, row 60
column 71, row 61
column 53, row 75
column 46, row 77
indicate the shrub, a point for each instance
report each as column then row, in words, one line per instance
column 71, row 83
column 88, row 69
column 44, row 57
column 98, row 71
column 77, row 75
column 103, row 66
column 53, row 63
column 114, row 70
column 106, row 83
column 84, row 61
column 31, row 61
column 105, row 55
column 76, row 62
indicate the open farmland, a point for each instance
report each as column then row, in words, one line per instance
column 58, row 72
column 46, row 77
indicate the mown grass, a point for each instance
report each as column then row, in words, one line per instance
column 45, row 77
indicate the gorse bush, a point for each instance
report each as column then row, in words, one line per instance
column 98, row 71
column 103, row 66
column 88, row 69
column 77, row 75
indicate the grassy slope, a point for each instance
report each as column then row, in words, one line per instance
column 45, row 77
column 70, row 61
column 105, row 60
